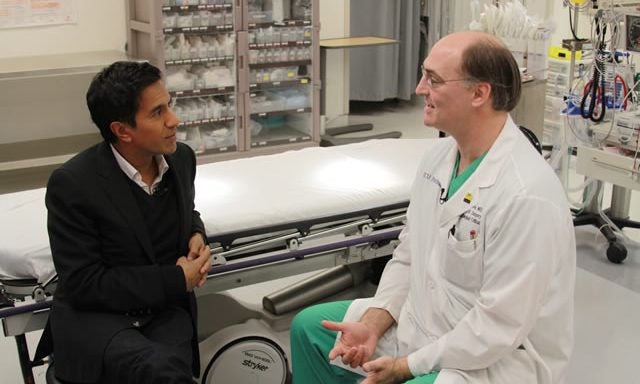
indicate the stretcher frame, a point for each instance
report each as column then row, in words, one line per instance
column 239, row 259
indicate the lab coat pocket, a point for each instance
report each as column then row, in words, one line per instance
column 462, row 264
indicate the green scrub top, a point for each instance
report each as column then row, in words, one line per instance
column 458, row 180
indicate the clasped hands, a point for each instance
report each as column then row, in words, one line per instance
column 356, row 346
column 197, row 263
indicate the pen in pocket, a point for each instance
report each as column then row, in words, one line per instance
column 452, row 230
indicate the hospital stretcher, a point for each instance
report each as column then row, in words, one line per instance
column 267, row 217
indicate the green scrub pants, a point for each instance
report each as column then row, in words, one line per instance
column 311, row 343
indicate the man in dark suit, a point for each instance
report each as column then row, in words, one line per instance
column 127, row 243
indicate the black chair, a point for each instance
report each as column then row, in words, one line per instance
column 532, row 138
column 616, row 252
column 50, row 376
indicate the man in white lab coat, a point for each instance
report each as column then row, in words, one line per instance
column 480, row 289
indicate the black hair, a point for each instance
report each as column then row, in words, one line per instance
column 114, row 94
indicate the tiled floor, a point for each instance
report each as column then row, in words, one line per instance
column 607, row 302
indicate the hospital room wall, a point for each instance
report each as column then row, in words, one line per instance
column 100, row 27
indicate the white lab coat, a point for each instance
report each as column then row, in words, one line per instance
column 494, row 306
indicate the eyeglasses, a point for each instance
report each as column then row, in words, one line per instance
column 436, row 82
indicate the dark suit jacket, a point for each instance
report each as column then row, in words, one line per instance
column 103, row 255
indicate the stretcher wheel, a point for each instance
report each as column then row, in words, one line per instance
column 616, row 253
column 244, row 353
column 248, row 360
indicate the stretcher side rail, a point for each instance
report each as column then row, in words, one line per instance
column 277, row 264
column 19, row 288
column 26, row 316
column 303, row 227
column 294, row 240
column 21, row 298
